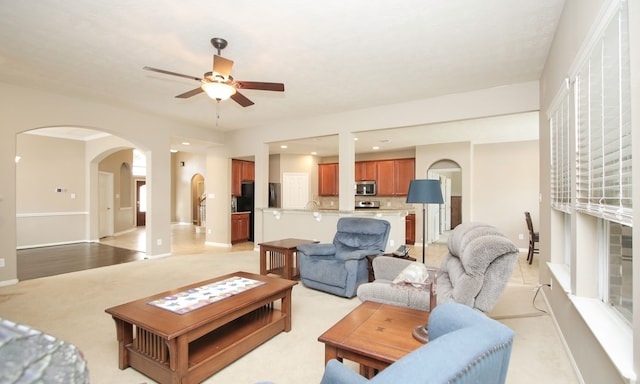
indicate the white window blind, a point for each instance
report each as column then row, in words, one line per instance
column 560, row 165
column 603, row 145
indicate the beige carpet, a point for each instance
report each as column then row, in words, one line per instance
column 71, row 307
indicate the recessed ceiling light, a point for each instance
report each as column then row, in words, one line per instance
column 284, row 147
column 186, row 143
column 355, row 139
column 174, row 150
column 18, row 159
column 314, row 153
column 376, row 148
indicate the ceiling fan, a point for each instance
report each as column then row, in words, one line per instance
column 218, row 84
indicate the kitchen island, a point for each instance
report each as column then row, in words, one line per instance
column 320, row 224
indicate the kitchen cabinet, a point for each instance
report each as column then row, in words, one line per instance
column 410, row 228
column 239, row 227
column 328, row 179
column 403, row 172
column 248, row 171
column 391, row 176
column 385, row 180
column 366, row 170
column 394, row 176
column 241, row 170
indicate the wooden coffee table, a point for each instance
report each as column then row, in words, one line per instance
column 373, row 335
column 278, row 257
column 187, row 348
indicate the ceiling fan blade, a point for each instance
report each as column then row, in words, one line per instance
column 190, row 93
column 171, row 73
column 279, row 87
column 241, row 99
column 222, row 66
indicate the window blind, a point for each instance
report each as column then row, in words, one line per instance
column 603, row 145
column 560, row 165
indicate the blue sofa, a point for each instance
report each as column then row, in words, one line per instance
column 465, row 346
column 340, row 267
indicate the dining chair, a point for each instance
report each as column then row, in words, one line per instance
column 534, row 237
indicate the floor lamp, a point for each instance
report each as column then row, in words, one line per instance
column 424, row 191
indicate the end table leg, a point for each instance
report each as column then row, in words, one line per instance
column 330, row 352
column 288, row 264
column 263, row 260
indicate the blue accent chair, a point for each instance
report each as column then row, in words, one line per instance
column 340, row 267
column 465, row 346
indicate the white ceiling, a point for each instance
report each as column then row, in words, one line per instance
column 333, row 56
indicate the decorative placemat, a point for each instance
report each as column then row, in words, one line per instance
column 191, row 299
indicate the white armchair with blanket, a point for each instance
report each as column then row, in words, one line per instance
column 474, row 272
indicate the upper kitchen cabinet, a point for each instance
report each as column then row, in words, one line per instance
column 385, row 177
column 241, row 170
column 366, row 170
column 394, row 176
column 248, row 171
column 404, row 170
column 328, row 179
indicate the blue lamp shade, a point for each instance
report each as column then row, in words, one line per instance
column 425, row 191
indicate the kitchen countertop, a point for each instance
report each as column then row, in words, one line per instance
column 383, row 211
column 239, row 212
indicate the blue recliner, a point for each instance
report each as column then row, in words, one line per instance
column 465, row 346
column 340, row 267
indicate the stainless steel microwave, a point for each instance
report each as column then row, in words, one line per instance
column 365, row 188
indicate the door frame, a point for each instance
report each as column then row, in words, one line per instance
column 105, row 204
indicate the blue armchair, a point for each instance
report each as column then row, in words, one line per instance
column 465, row 346
column 340, row 267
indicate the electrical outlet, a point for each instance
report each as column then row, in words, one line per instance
column 521, row 236
column 1, row 263
column 159, row 242
column 392, row 243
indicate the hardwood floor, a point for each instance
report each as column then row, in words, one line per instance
column 54, row 260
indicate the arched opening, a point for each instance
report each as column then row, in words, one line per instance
column 69, row 192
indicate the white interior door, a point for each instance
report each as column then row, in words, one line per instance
column 105, row 204
column 295, row 190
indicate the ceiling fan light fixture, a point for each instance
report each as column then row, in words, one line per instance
column 218, row 91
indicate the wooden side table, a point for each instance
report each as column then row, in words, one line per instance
column 278, row 257
column 373, row 335
column 371, row 257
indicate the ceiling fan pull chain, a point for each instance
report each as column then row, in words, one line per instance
column 217, row 111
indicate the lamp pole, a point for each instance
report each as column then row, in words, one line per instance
column 424, row 227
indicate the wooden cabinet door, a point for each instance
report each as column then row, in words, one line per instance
column 239, row 228
column 410, row 229
column 248, row 171
column 366, row 170
column 328, row 179
column 236, row 178
column 385, row 179
column 404, row 172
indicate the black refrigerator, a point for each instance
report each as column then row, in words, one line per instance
column 245, row 204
